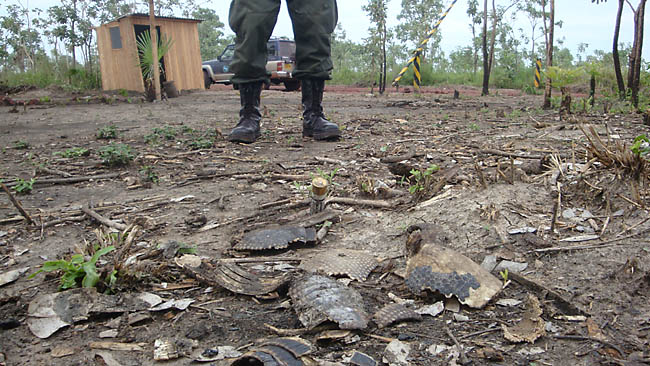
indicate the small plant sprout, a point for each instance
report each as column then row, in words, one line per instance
column 641, row 146
column 24, row 186
column 107, row 132
column 74, row 152
column 76, row 271
column 116, row 155
column 148, row 173
column 504, row 276
column 421, row 179
column 21, row 144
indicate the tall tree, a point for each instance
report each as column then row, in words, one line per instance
column 475, row 20
column 634, row 69
column 20, row 36
column 617, row 61
column 377, row 11
column 211, row 36
column 549, row 28
column 488, row 54
column 417, row 18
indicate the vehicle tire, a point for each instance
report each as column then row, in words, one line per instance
column 266, row 85
column 235, row 86
column 292, row 85
column 206, row 80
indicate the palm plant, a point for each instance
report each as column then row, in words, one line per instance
column 145, row 53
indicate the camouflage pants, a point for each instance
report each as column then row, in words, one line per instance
column 253, row 22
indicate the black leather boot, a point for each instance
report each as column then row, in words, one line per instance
column 314, row 123
column 248, row 128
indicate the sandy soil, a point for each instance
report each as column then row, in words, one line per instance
column 207, row 197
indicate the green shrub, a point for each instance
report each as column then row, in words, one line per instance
column 116, row 154
column 74, row 152
column 107, row 132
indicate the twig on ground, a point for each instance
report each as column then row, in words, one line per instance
column 103, row 220
column 489, row 330
column 463, row 357
column 603, row 244
column 359, row 202
column 17, row 204
column 593, row 339
column 54, row 171
column 63, row 220
column 565, row 306
column 70, row 180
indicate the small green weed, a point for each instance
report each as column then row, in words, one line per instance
column 116, row 154
column 421, row 179
column 149, row 174
column 504, row 276
column 45, row 99
column 76, row 271
column 74, row 152
column 24, row 186
column 329, row 177
column 168, row 132
column 473, row 126
column 107, row 132
column 123, row 92
column 200, row 143
column 641, row 146
column 21, row 145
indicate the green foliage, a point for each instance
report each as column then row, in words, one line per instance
column 107, row 132
column 123, row 92
column 24, row 186
column 21, row 145
column 74, row 152
column 200, row 143
column 116, row 154
column 329, row 177
column 149, row 174
column 212, row 40
column 641, row 146
column 145, row 53
column 76, row 271
column 563, row 77
column 421, row 179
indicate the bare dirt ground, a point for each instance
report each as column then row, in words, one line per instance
column 504, row 165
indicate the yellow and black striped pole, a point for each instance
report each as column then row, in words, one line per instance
column 538, row 68
column 417, row 77
column 418, row 51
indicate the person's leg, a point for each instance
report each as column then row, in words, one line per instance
column 253, row 22
column 313, row 24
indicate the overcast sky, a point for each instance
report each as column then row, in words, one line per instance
column 584, row 22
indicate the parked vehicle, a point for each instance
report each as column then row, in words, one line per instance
column 281, row 61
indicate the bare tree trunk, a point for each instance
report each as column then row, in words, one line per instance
column 617, row 60
column 549, row 53
column 493, row 37
column 486, row 66
column 382, row 82
column 72, row 45
column 634, row 72
column 474, row 48
column 154, row 50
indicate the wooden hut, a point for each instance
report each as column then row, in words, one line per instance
column 118, row 52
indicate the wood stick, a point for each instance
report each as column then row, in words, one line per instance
column 602, row 244
column 70, row 180
column 354, row 201
column 103, row 220
column 593, row 339
column 463, row 357
column 508, row 154
column 562, row 304
column 260, row 260
column 55, row 171
column 17, row 204
column 63, row 220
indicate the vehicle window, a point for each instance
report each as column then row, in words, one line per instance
column 271, row 49
column 288, row 49
column 228, row 53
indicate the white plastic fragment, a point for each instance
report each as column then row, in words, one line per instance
column 396, row 353
column 431, row 310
